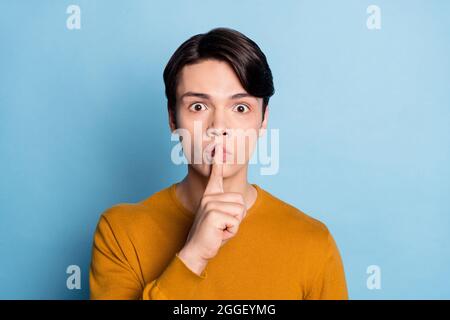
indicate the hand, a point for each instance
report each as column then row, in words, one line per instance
column 216, row 221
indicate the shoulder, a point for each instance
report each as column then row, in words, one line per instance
column 293, row 222
column 124, row 215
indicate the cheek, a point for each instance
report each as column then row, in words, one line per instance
column 193, row 141
column 244, row 143
column 252, row 120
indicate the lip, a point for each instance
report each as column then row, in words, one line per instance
column 224, row 152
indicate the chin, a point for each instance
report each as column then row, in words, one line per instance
column 204, row 170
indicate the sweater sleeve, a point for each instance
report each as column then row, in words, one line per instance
column 110, row 274
column 112, row 277
column 330, row 282
column 177, row 282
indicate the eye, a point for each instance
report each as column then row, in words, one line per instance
column 241, row 108
column 196, row 107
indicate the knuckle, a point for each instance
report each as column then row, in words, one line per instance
column 207, row 207
column 239, row 198
column 212, row 215
column 234, row 197
column 236, row 221
column 204, row 201
column 239, row 209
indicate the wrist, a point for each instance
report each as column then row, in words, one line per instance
column 193, row 261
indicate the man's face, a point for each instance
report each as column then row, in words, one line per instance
column 211, row 101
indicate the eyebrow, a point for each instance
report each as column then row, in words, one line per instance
column 208, row 97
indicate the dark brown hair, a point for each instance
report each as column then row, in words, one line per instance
column 224, row 44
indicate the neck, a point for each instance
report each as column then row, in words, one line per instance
column 190, row 190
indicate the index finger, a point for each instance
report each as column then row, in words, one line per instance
column 215, row 183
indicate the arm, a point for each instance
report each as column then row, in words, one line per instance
column 177, row 282
column 112, row 277
column 329, row 282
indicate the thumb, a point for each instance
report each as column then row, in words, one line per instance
column 215, row 182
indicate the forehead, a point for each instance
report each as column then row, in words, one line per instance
column 217, row 78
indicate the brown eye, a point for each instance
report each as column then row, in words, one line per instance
column 241, row 108
column 197, row 107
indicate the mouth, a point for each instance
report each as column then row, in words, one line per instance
column 224, row 152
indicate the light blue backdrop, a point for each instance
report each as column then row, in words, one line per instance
column 363, row 117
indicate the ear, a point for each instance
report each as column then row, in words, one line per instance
column 172, row 120
column 263, row 127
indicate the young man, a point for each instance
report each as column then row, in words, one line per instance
column 214, row 235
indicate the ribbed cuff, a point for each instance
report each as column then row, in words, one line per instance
column 178, row 282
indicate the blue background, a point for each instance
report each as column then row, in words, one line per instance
column 363, row 118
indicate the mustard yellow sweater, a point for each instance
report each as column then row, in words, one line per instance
column 279, row 252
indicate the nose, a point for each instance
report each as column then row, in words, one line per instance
column 216, row 132
column 217, row 127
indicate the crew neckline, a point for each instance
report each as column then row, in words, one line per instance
column 191, row 215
